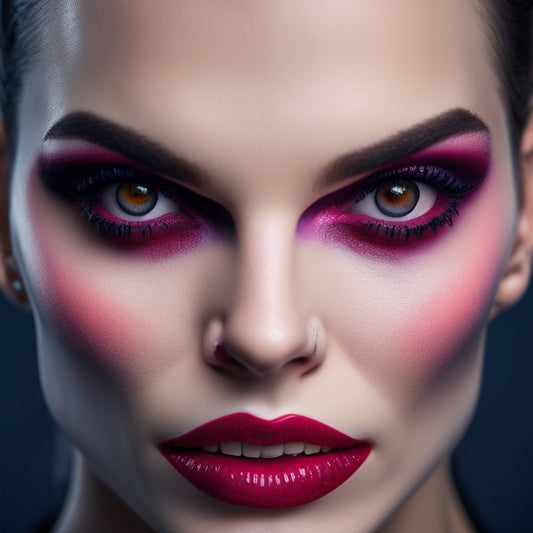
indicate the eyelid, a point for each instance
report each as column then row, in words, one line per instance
column 452, row 176
column 452, row 184
column 464, row 155
column 81, row 181
column 437, row 177
column 73, row 157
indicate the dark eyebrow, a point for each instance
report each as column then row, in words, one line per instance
column 402, row 144
column 92, row 128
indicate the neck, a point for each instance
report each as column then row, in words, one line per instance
column 434, row 507
column 92, row 506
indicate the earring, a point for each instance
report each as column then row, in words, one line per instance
column 16, row 285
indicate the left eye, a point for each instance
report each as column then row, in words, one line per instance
column 396, row 199
column 135, row 201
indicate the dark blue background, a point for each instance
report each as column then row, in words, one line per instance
column 494, row 463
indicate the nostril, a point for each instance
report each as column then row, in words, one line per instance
column 224, row 358
column 220, row 354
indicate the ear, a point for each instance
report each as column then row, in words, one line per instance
column 10, row 278
column 518, row 268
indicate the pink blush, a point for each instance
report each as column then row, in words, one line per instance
column 94, row 320
column 442, row 324
column 90, row 304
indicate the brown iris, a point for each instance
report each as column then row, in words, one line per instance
column 397, row 198
column 136, row 199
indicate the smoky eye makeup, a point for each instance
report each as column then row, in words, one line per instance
column 407, row 202
column 133, row 207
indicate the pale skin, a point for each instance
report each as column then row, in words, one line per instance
column 263, row 96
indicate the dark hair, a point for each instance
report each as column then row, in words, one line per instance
column 19, row 24
column 508, row 24
column 509, row 27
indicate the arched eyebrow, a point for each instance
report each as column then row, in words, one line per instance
column 82, row 125
column 87, row 126
column 402, row 144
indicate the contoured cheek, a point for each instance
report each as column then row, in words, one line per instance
column 453, row 287
column 126, row 312
column 409, row 308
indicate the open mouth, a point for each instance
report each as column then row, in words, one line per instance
column 286, row 462
column 254, row 451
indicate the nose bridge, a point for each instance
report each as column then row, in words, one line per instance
column 265, row 327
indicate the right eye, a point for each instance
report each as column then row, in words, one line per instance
column 134, row 207
column 135, row 201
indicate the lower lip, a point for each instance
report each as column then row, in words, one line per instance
column 283, row 482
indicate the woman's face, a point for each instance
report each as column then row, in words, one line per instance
column 267, row 193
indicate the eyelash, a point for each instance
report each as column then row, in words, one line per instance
column 438, row 178
column 83, row 184
column 123, row 229
column 331, row 218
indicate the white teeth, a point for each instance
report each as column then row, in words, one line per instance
column 293, row 448
column 231, row 448
column 269, row 452
column 251, row 450
column 309, row 449
column 255, row 451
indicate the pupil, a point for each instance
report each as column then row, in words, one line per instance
column 397, row 194
column 398, row 198
column 136, row 199
column 136, row 194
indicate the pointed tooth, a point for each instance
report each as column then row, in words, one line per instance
column 293, row 448
column 251, row 450
column 213, row 448
column 309, row 449
column 231, row 448
column 269, row 452
column 326, row 449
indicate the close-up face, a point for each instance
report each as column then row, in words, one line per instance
column 260, row 209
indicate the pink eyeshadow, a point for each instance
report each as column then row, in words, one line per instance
column 465, row 157
column 193, row 225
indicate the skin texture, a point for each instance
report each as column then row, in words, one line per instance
column 384, row 345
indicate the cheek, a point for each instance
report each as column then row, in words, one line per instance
column 411, row 320
column 99, row 324
column 126, row 314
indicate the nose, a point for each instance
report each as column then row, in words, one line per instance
column 264, row 329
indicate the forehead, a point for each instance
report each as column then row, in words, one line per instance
column 273, row 70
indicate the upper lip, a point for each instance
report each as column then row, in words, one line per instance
column 246, row 427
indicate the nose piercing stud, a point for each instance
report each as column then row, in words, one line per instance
column 315, row 339
column 17, row 285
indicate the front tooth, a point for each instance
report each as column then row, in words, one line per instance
column 251, row 450
column 326, row 449
column 269, row 452
column 311, row 448
column 212, row 449
column 293, row 448
column 231, row 448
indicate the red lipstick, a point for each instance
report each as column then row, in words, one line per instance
column 244, row 460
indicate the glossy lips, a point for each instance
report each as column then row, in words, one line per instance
column 280, row 482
